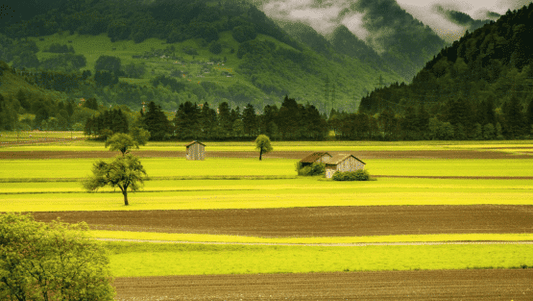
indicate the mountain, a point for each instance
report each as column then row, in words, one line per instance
column 173, row 51
column 465, row 20
column 381, row 30
column 484, row 78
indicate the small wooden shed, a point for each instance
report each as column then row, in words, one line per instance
column 319, row 157
column 343, row 163
column 195, row 150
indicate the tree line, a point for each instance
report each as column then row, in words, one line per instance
column 294, row 121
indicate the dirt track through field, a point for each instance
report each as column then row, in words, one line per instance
column 396, row 285
column 363, row 155
column 313, row 222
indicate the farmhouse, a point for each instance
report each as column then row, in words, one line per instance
column 195, row 150
column 342, row 162
column 319, row 157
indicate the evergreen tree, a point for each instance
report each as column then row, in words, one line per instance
column 187, row 121
column 225, row 122
column 529, row 113
column 156, row 122
column 515, row 125
column 289, row 119
column 249, row 121
column 208, row 122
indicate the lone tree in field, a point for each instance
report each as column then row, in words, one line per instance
column 124, row 172
column 125, row 142
column 262, row 144
column 52, row 261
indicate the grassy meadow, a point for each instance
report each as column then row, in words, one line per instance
column 142, row 259
column 28, row 185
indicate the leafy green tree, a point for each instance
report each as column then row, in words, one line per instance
column 25, row 59
column 121, row 142
column 215, row 47
column 135, row 70
column 91, row 103
column 262, row 144
column 124, row 172
column 53, row 261
column 108, row 63
column 243, row 33
column 140, row 135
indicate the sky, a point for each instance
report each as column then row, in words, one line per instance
column 325, row 15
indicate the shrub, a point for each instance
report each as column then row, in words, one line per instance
column 358, row 175
column 53, row 261
column 314, row 169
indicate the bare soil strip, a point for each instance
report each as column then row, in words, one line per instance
column 312, row 222
column 363, row 155
column 394, row 285
column 359, row 244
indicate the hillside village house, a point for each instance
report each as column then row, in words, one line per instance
column 337, row 162
column 195, row 150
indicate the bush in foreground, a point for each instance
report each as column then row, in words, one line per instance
column 358, row 175
column 53, row 261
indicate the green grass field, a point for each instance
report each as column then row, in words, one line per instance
column 143, row 259
column 216, row 167
column 287, row 193
column 222, row 183
column 352, row 146
column 200, row 238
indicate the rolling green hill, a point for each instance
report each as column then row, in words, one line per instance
column 198, row 51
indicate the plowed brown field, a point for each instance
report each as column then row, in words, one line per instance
column 363, row 155
column 397, row 285
column 324, row 221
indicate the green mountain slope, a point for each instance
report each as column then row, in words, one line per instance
column 380, row 31
column 485, row 78
column 198, row 51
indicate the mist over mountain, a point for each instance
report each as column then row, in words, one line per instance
column 405, row 33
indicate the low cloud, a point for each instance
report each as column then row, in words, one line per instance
column 354, row 23
column 325, row 15
column 428, row 13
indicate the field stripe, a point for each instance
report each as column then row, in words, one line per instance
column 428, row 243
column 461, row 238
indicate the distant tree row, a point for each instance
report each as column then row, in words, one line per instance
column 292, row 121
column 454, row 120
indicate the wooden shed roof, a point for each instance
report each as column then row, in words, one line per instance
column 193, row 142
column 313, row 157
column 338, row 158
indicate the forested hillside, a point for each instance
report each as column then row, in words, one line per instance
column 379, row 31
column 483, row 83
column 173, row 51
